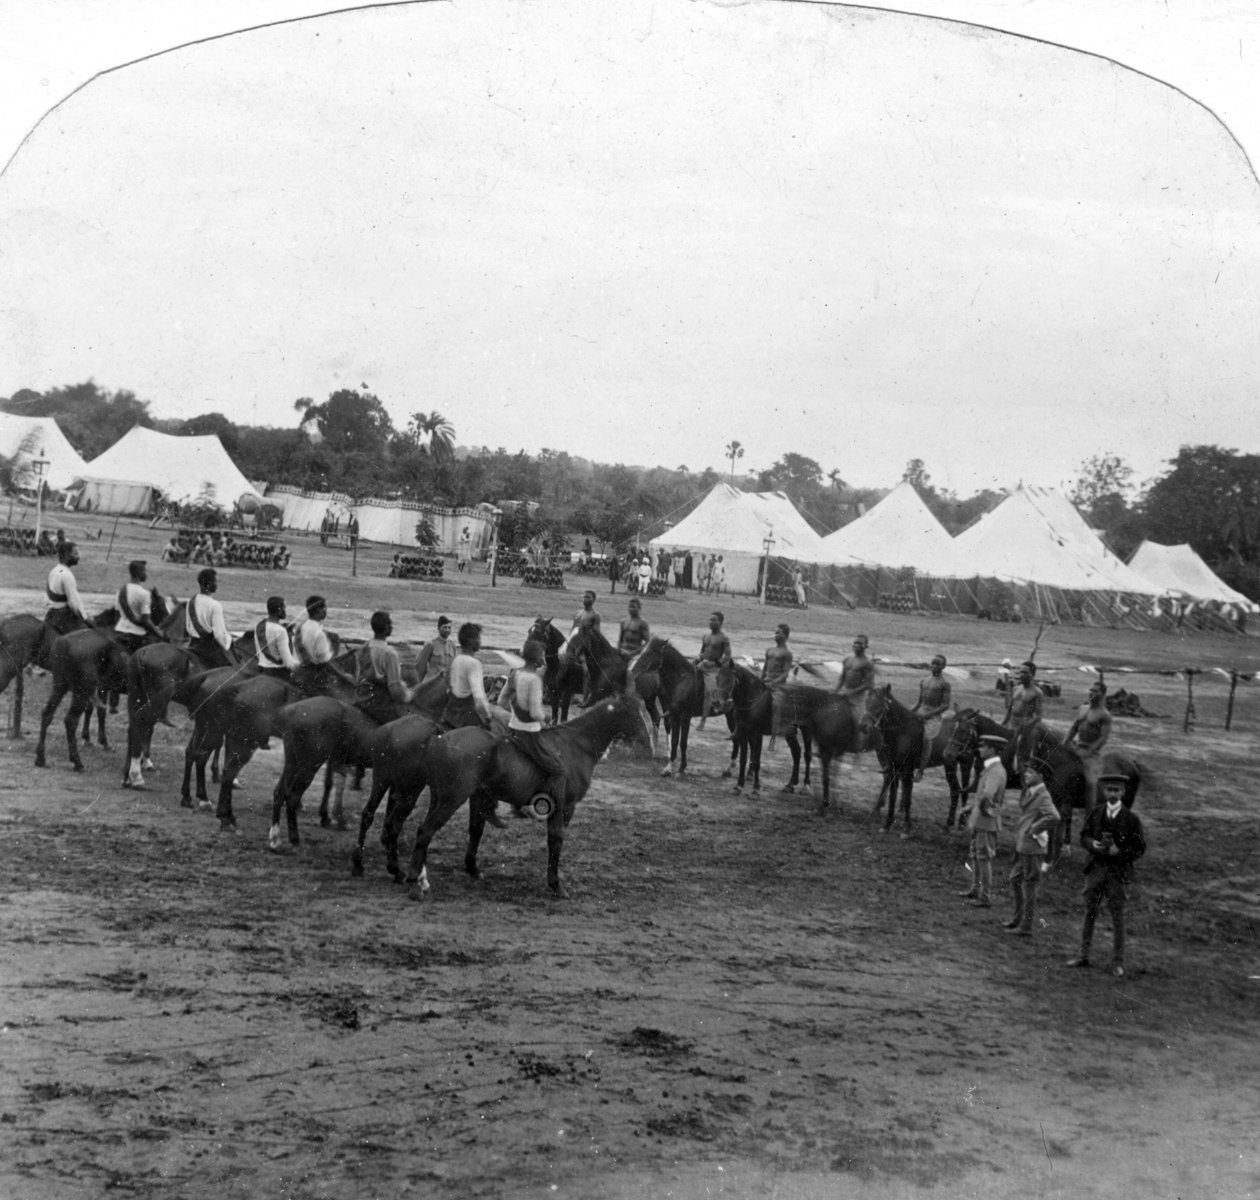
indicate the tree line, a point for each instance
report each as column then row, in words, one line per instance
column 1208, row 497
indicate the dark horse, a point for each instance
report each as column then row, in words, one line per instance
column 87, row 663
column 473, row 764
column 681, row 694
column 319, row 730
column 901, row 740
column 824, row 719
column 562, row 680
column 607, row 668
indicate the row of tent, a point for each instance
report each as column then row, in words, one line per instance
column 1034, row 556
column 124, row 478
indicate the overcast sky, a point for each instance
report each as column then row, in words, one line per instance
column 637, row 231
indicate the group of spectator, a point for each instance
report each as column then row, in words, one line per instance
column 218, row 548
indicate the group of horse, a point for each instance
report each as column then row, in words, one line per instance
column 236, row 710
column 671, row 685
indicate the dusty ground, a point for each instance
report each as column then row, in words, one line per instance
column 740, row 999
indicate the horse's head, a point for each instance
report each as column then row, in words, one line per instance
column 649, row 658
column 879, row 703
column 631, row 722
column 542, row 631
column 159, row 608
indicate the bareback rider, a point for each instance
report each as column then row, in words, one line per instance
column 935, row 708
column 775, row 672
column 466, row 702
column 317, row 672
column 381, row 692
column 715, row 653
column 1090, row 732
column 525, row 723
column 586, row 618
column 276, row 659
column 635, row 632
column 857, row 677
column 134, row 627
column 208, row 638
column 1023, row 715
column 66, row 610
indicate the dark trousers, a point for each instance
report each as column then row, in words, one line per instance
column 460, row 711
column 1025, row 878
column 1104, row 883
column 543, row 757
column 210, row 653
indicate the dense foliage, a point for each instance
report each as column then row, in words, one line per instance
column 1209, row 496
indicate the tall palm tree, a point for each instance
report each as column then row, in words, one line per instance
column 434, row 433
column 734, row 450
column 834, row 476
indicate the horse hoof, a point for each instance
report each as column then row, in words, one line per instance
column 755, row 793
column 78, row 766
column 558, row 892
column 341, row 824
column 736, row 790
column 356, row 867
column 273, row 839
column 787, row 790
column 203, row 805
column 665, row 774
column 325, row 821
column 727, row 773
column 147, row 765
column 227, row 825
column 39, row 762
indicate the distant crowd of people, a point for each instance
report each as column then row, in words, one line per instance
column 680, row 569
column 218, row 548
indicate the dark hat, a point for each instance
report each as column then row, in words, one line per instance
column 992, row 739
column 1122, row 780
column 137, row 564
column 1033, row 776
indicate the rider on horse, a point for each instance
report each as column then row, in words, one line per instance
column 935, row 709
column 586, row 618
column 65, row 609
column 857, row 676
column 1023, row 715
column 524, row 702
column 208, row 637
column 715, row 653
column 635, row 633
column 315, row 652
column 276, row 659
column 1088, row 735
column 380, row 691
column 134, row 627
column 774, row 674
column 466, row 702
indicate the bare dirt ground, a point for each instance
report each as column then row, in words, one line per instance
column 741, row 998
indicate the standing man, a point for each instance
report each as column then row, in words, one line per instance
column 1115, row 841
column 935, row 708
column 798, row 584
column 984, row 820
column 587, row 619
column 614, row 572
column 1037, row 817
column 380, row 691
column 65, row 608
column 134, row 627
column 464, row 550
column 688, row 567
column 1088, row 735
column 314, row 651
column 679, row 567
column 1023, row 715
column 715, row 653
column 634, row 631
column 645, row 573
column 437, row 655
column 208, row 637
column 466, row 702
column 774, row 674
column 276, row 659
column 857, row 676
column 718, row 575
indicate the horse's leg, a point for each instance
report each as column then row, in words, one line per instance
column 190, row 756
column 955, row 790
column 235, row 756
column 87, row 723
column 824, row 761
column 102, row 739
column 139, row 730
column 19, row 692
column 556, row 824
column 50, row 710
column 684, row 732
column 356, row 781
column 907, row 791
column 214, row 770
column 477, row 807
column 441, row 809
column 402, row 803
column 794, row 748
column 891, row 784
column 806, row 782
column 754, row 762
column 366, row 817
column 335, row 776
column 78, row 707
column 675, row 732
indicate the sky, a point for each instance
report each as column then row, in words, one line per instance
column 638, row 231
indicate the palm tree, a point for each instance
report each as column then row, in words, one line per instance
column 734, row 450
column 834, row 476
column 433, row 433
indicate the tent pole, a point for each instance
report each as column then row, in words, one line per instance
column 110, row 547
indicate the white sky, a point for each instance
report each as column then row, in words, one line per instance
column 636, row 231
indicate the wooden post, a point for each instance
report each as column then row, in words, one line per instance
column 1233, row 687
column 110, row 547
column 1188, row 723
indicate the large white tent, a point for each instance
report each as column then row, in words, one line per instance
column 899, row 532
column 27, row 439
column 1035, row 539
column 737, row 525
column 183, row 469
column 1182, row 573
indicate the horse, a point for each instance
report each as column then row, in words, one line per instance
column 318, row 730
column 562, row 679
column 901, row 735
column 749, row 709
column 681, row 694
column 25, row 641
column 824, row 719
column 86, row 663
column 607, row 668
column 474, row 765
column 398, row 769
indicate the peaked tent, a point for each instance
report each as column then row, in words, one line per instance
column 1180, row 571
column 890, row 555
column 1037, row 541
column 29, row 438
column 183, row 469
column 736, row 525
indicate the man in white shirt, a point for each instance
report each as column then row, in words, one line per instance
column 275, row 656
column 466, row 702
column 134, row 627
column 525, row 724
column 317, row 671
column 65, row 609
column 208, row 637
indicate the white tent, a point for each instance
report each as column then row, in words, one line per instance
column 1037, row 540
column 184, row 469
column 736, row 525
column 1180, row 571
column 898, row 532
column 29, row 438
